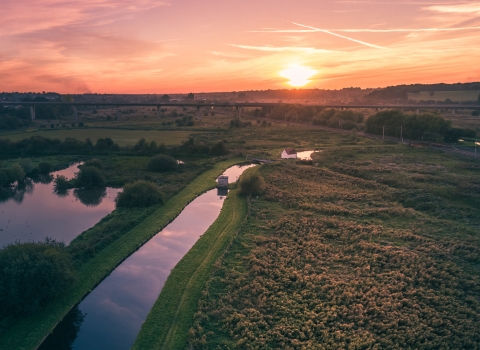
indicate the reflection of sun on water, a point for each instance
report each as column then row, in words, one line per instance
column 298, row 75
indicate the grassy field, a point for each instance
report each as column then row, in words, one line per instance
column 169, row 320
column 374, row 248
column 460, row 96
column 28, row 333
column 120, row 136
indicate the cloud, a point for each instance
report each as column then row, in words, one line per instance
column 21, row 16
column 268, row 48
column 472, row 8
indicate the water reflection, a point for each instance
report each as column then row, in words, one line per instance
column 32, row 209
column 234, row 172
column 66, row 332
column 91, row 197
column 117, row 307
column 305, row 155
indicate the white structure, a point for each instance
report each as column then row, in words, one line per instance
column 289, row 153
column 222, row 181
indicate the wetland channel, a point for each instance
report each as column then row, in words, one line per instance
column 111, row 316
column 34, row 211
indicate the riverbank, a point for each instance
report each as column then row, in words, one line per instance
column 171, row 317
column 29, row 333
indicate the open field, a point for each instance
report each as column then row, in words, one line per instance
column 120, row 136
column 371, row 249
column 460, row 96
column 29, row 332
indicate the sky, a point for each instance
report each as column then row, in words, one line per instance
column 181, row 46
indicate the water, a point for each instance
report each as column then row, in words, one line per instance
column 33, row 211
column 305, row 155
column 114, row 312
column 234, row 172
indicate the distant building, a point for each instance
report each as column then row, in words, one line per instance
column 222, row 181
column 289, row 153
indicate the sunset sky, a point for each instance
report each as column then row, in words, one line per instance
column 147, row 46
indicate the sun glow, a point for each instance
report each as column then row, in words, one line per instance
column 298, row 75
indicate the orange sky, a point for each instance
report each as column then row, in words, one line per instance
column 147, row 46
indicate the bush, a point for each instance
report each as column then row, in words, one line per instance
column 45, row 168
column 218, row 149
column 90, row 177
column 97, row 163
column 251, row 184
column 32, row 275
column 140, row 194
column 162, row 163
column 475, row 113
column 26, row 164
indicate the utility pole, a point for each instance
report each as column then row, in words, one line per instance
column 401, row 132
column 383, row 133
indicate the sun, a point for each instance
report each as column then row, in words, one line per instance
column 298, row 75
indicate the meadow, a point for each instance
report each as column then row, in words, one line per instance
column 371, row 249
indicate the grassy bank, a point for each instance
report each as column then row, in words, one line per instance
column 28, row 333
column 171, row 317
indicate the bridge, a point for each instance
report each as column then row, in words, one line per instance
column 235, row 105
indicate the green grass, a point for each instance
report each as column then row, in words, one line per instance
column 28, row 333
column 171, row 317
column 119, row 136
column 460, row 96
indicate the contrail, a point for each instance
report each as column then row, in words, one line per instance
column 340, row 36
column 399, row 30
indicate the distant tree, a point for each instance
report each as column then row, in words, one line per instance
column 190, row 96
column 140, row 194
column 252, row 184
column 165, row 98
column 32, row 274
column 162, row 163
column 478, row 99
column 218, row 149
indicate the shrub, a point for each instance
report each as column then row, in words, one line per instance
column 45, row 168
column 140, row 194
column 476, row 113
column 26, row 165
column 218, row 149
column 162, row 163
column 32, row 274
column 90, row 177
column 97, row 163
column 251, row 184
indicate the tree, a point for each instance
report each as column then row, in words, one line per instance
column 90, row 177
column 478, row 99
column 140, row 194
column 162, row 163
column 165, row 98
column 251, row 184
column 190, row 96
column 31, row 275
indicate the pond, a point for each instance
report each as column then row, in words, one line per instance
column 305, row 155
column 111, row 316
column 33, row 211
